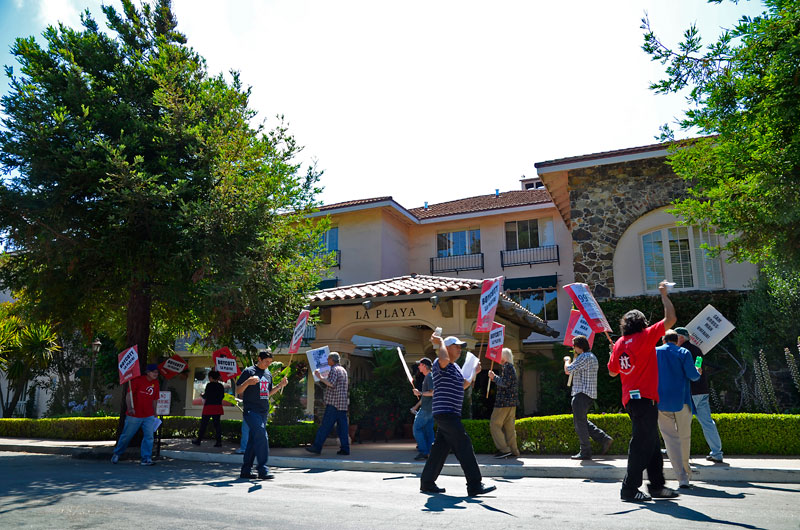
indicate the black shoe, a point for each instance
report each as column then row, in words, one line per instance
column 268, row 476
column 248, row 475
column 342, row 452
column 420, row 456
column 606, row 446
column 634, row 496
column 662, row 493
column 502, row 454
column 312, row 450
column 195, row 442
column 580, row 457
column 714, row 459
column 482, row 489
column 431, row 488
column 685, row 487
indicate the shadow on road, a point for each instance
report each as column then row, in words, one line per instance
column 676, row 510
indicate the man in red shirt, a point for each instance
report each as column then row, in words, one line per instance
column 634, row 360
column 141, row 415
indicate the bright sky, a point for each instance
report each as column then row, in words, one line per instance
column 432, row 100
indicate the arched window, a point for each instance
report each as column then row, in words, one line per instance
column 675, row 254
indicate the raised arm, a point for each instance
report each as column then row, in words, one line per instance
column 669, row 310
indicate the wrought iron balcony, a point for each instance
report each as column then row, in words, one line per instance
column 466, row 262
column 529, row 256
column 337, row 256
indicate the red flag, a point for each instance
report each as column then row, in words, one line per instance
column 578, row 325
column 225, row 363
column 588, row 306
column 128, row 364
column 299, row 330
column 490, row 296
column 496, row 339
column 173, row 366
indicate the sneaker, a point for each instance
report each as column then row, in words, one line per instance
column 634, row 496
column 686, row 486
column 146, row 463
column 114, row 459
column 480, row 490
column 431, row 488
column 342, row 452
column 312, row 450
column 195, row 442
column 714, row 459
column 421, row 456
column 580, row 457
column 606, row 446
column 268, row 476
column 662, row 493
column 239, row 451
column 502, row 454
column 248, row 475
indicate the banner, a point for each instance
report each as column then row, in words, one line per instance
column 164, row 402
column 577, row 325
column 128, row 364
column 225, row 363
column 490, row 296
column 173, row 366
column 299, row 331
column 708, row 328
column 405, row 366
column 496, row 339
column 318, row 360
column 588, row 306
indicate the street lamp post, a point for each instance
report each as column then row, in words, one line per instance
column 95, row 349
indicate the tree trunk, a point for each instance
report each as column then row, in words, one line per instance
column 138, row 334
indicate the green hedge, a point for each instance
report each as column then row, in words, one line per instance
column 173, row 427
column 742, row 434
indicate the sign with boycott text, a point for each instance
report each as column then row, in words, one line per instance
column 490, row 296
column 708, row 328
column 128, row 364
column 496, row 339
column 225, row 364
column 299, row 331
column 164, row 402
column 588, row 306
column 173, row 366
column 577, row 325
column 318, row 360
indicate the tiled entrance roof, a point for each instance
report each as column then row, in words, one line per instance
column 482, row 203
column 417, row 284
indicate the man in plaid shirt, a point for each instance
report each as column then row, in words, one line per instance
column 336, row 401
column 584, row 392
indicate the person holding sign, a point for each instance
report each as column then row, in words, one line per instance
column 584, row 391
column 634, row 360
column 448, row 395
column 337, row 400
column 255, row 386
column 212, row 408
column 423, row 420
column 501, row 424
column 700, row 392
column 141, row 415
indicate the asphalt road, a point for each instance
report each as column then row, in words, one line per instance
column 48, row 491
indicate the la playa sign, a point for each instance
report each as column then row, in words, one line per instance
column 387, row 313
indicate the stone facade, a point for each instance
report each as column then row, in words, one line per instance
column 605, row 200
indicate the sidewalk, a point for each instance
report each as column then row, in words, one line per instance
column 397, row 457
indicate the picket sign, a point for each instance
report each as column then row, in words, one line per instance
column 577, row 325
column 172, row 366
column 299, row 331
column 708, row 328
column 490, row 296
column 128, row 364
column 495, row 350
column 589, row 308
column 225, row 363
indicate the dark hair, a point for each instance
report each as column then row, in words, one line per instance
column 581, row 342
column 671, row 336
column 213, row 374
column 632, row 322
column 266, row 354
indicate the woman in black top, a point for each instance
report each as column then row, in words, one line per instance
column 212, row 408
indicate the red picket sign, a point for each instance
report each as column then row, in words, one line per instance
column 490, row 296
column 128, row 364
column 299, row 330
column 588, row 306
column 577, row 325
column 225, row 363
column 172, row 366
column 496, row 339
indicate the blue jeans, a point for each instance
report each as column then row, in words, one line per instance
column 332, row 415
column 423, row 431
column 257, row 443
column 131, row 426
column 245, row 436
column 703, row 413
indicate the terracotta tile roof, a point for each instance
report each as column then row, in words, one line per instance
column 357, row 202
column 404, row 285
column 601, row 155
column 482, row 203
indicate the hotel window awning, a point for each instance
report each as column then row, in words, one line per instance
column 530, row 282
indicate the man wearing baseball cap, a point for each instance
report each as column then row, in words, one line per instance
column 423, row 421
column 141, row 415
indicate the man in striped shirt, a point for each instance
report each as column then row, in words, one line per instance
column 448, row 395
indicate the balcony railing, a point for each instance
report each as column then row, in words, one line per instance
column 337, row 256
column 529, row 256
column 466, row 262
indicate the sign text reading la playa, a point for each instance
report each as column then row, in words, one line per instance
column 385, row 313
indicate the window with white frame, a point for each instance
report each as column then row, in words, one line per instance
column 458, row 243
column 676, row 254
column 530, row 233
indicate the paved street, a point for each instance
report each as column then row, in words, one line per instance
column 49, row 491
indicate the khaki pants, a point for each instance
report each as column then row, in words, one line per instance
column 676, row 429
column 501, row 425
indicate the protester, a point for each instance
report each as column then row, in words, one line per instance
column 255, row 386
column 423, row 421
column 634, row 360
column 584, row 392
column 212, row 408
column 143, row 394
column 501, row 424
column 337, row 400
column 675, row 370
column 448, row 395
column 702, row 406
